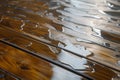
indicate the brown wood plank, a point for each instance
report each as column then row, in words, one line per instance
column 6, row 76
column 17, row 39
column 24, row 65
column 58, row 22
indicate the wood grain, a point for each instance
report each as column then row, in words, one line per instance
column 23, row 65
column 38, row 18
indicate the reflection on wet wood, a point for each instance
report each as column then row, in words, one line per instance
column 71, row 24
column 17, row 39
column 24, row 42
column 111, row 37
column 101, row 72
column 27, row 65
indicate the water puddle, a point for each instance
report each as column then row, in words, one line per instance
column 57, row 27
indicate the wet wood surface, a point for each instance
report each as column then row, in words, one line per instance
column 24, row 65
column 55, row 29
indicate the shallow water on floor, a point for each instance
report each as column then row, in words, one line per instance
column 73, row 25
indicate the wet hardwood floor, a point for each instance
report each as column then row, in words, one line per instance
column 82, row 35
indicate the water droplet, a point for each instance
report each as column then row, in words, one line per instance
column 91, row 67
column 110, row 5
column 107, row 44
column 22, row 25
column 31, row 25
column 36, row 25
column 28, row 45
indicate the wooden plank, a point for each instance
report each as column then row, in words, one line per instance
column 23, row 65
column 94, row 74
column 6, row 75
column 23, row 40
column 57, row 22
